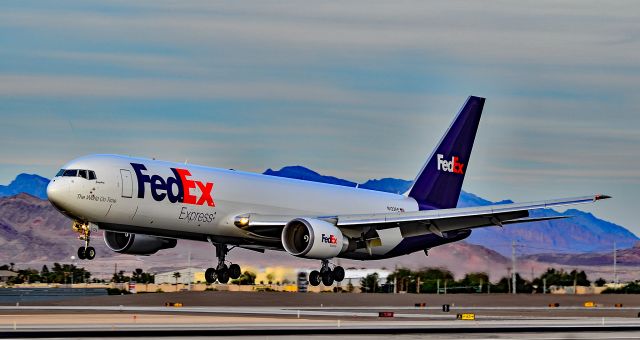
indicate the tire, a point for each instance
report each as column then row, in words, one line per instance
column 81, row 253
column 338, row 273
column 90, row 253
column 223, row 275
column 314, row 278
column 234, row 271
column 327, row 278
column 210, row 275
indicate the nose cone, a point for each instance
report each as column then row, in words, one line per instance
column 56, row 193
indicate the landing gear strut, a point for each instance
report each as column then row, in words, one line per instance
column 84, row 234
column 222, row 273
column 326, row 275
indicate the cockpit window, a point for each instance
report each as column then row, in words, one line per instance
column 70, row 173
column 86, row 174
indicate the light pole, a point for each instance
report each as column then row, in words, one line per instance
column 73, row 259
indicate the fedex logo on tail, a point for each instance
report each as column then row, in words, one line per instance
column 179, row 188
column 331, row 239
column 453, row 165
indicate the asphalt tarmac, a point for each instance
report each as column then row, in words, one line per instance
column 285, row 299
column 323, row 314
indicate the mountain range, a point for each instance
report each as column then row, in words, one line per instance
column 582, row 233
column 32, row 231
column 33, row 185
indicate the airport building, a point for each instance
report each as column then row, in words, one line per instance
column 5, row 275
column 354, row 276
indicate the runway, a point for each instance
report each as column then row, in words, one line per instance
column 97, row 321
column 145, row 317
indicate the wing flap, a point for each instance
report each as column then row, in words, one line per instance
column 421, row 228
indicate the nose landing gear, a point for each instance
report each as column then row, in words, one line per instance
column 84, row 234
column 222, row 273
column 326, row 275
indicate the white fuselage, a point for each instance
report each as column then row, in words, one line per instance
column 113, row 200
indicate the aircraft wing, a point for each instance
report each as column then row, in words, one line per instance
column 421, row 222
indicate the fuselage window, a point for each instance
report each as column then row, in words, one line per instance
column 60, row 173
column 83, row 174
column 92, row 175
column 70, row 173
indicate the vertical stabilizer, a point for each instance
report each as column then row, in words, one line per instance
column 438, row 184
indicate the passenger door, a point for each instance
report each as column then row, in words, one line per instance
column 127, row 183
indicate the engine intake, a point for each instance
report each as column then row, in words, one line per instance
column 136, row 244
column 314, row 239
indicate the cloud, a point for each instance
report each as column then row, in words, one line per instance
column 350, row 88
column 491, row 32
column 130, row 61
column 73, row 86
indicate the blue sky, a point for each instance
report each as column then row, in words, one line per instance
column 355, row 89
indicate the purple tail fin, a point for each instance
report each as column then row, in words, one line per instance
column 439, row 183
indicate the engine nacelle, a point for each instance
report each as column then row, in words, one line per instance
column 136, row 244
column 314, row 239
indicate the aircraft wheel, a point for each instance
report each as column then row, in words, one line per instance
column 210, row 275
column 314, row 278
column 90, row 253
column 223, row 275
column 234, row 271
column 327, row 278
column 338, row 273
column 81, row 253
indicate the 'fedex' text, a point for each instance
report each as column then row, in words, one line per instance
column 179, row 188
column 453, row 165
column 331, row 239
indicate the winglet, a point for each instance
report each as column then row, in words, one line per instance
column 601, row 197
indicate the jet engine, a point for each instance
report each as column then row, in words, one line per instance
column 314, row 239
column 136, row 244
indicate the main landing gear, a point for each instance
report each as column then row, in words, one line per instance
column 84, row 234
column 222, row 273
column 326, row 275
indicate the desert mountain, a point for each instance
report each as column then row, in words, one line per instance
column 579, row 234
column 33, row 232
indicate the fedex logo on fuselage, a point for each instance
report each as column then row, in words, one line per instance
column 453, row 165
column 331, row 239
column 179, row 188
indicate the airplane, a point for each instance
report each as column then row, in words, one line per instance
column 146, row 205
